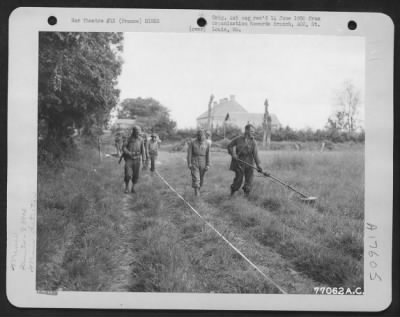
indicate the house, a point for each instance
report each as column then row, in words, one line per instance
column 124, row 124
column 238, row 115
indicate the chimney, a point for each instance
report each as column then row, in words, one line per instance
column 232, row 97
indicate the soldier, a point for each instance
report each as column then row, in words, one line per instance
column 152, row 149
column 118, row 143
column 124, row 140
column 133, row 151
column 244, row 148
column 198, row 160
column 145, row 143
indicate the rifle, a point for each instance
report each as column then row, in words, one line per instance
column 121, row 157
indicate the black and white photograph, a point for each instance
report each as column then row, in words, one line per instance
column 206, row 162
column 263, row 136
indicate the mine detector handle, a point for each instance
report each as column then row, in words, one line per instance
column 274, row 178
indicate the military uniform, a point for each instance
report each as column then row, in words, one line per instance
column 133, row 151
column 152, row 150
column 146, row 153
column 118, row 143
column 199, row 158
column 246, row 150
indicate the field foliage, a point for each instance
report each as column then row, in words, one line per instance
column 93, row 237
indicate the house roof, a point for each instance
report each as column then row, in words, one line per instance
column 124, row 123
column 236, row 112
column 223, row 107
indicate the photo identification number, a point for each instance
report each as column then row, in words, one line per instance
column 338, row 291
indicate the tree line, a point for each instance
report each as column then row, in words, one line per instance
column 78, row 74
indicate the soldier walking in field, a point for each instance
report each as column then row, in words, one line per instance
column 198, row 160
column 133, row 151
column 245, row 149
column 146, row 154
column 118, row 143
column 152, row 150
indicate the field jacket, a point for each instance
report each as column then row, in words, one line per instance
column 198, row 153
column 245, row 149
column 134, row 149
column 152, row 147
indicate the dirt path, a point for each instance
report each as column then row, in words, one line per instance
column 124, row 255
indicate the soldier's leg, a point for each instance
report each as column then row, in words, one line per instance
column 237, row 181
column 202, row 171
column 135, row 174
column 195, row 172
column 128, row 174
column 248, row 180
column 153, row 163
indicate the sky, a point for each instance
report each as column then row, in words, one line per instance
column 298, row 74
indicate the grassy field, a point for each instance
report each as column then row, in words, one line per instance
column 91, row 236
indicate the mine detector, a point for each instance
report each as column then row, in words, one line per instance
column 303, row 197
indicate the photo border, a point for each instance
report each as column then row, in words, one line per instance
column 379, row 90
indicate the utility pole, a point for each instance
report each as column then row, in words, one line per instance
column 267, row 127
column 209, row 112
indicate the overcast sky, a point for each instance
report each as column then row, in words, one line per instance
column 297, row 74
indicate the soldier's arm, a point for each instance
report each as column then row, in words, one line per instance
column 142, row 151
column 231, row 147
column 125, row 149
column 208, row 156
column 146, row 149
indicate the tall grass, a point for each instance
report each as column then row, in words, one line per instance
column 176, row 252
column 78, row 223
column 323, row 242
column 88, row 229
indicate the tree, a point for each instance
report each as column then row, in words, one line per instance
column 346, row 109
column 150, row 115
column 77, row 80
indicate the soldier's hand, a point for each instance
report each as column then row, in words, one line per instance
column 190, row 166
column 266, row 174
column 207, row 168
column 234, row 156
column 259, row 169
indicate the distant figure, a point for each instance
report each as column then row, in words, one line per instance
column 322, row 146
column 245, row 149
column 118, row 143
column 208, row 137
column 133, row 151
column 198, row 160
column 145, row 141
column 152, row 149
column 122, row 155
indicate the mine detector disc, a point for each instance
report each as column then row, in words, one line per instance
column 310, row 199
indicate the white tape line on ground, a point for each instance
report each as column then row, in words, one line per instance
column 225, row 239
